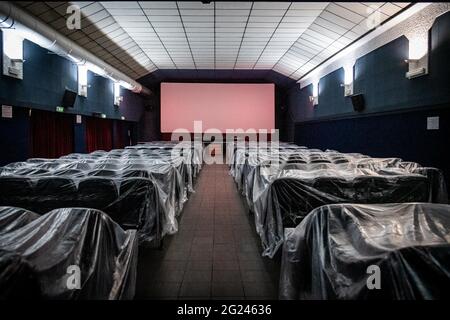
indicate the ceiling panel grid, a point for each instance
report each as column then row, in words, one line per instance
column 292, row 38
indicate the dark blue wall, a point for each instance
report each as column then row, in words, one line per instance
column 380, row 77
column 396, row 108
column 399, row 134
column 46, row 76
column 15, row 137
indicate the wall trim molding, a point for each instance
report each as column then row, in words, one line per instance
column 347, row 116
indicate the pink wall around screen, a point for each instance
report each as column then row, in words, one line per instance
column 219, row 106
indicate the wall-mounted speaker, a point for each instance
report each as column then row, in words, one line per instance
column 358, row 102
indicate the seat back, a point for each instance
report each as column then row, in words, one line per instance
column 135, row 198
column 102, row 173
column 15, row 191
column 436, row 182
column 31, row 172
column 68, row 173
column 53, row 193
column 98, row 193
column 333, row 189
column 135, row 174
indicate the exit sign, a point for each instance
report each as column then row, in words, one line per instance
column 59, row 109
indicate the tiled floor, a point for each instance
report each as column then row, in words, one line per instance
column 215, row 254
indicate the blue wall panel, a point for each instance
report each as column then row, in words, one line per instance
column 380, row 77
column 15, row 137
column 46, row 76
column 79, row 136
column 400, row 134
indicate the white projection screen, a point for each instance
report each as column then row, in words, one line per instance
column 218, row 105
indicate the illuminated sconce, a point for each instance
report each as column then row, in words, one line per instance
column 82, row 80
column 12, row 54
column 315, row 97
column 117, row 97
column 418, row 56
column 348, row 80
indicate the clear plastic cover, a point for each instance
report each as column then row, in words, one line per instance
column 362, row 251
column 283, row 184
column 49, row 256
column 144, row 187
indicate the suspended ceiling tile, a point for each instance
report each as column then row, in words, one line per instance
column 142, row 36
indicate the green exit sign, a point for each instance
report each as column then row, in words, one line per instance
column 59, row 109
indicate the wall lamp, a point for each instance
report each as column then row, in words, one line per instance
column 417, row 56
column 117, row 97
column 82, row 80
column 12, row 54
column 348, row 80
column 315, row 96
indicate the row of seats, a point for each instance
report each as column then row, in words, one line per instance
column 38, row 251
column 283, row 188
column 82, row 173
column 293, row 198
column 126, row 203
column 338, row 248
column 172, row 176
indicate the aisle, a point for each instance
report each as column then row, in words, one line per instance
column 215, row 254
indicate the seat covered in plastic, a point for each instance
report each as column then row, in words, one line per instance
column 98, row 193
column 53, row 192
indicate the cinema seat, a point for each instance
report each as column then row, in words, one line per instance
column 103, row 173
column 98, row 193
column 134, row 199
column 51, row 193
column 369, row 189
column 135, row 174
column 33, row 171
column 18, row 278
column 15, row 191
column 68, row 172
column 12, row 218
column 106, row 166
column 78, row 166
column 437, row 185
column 414, row 188
column 333, row 189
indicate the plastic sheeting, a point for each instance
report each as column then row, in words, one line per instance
column 332, row 253
column 284, row 184
column 134, row 203
column 37, row 257
column 14, row 218
column 143, row 188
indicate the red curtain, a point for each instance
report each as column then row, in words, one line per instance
column 98, row 134
column 52, row 134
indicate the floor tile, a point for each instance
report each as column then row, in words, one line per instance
column 216, row 254
column 195, row 289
